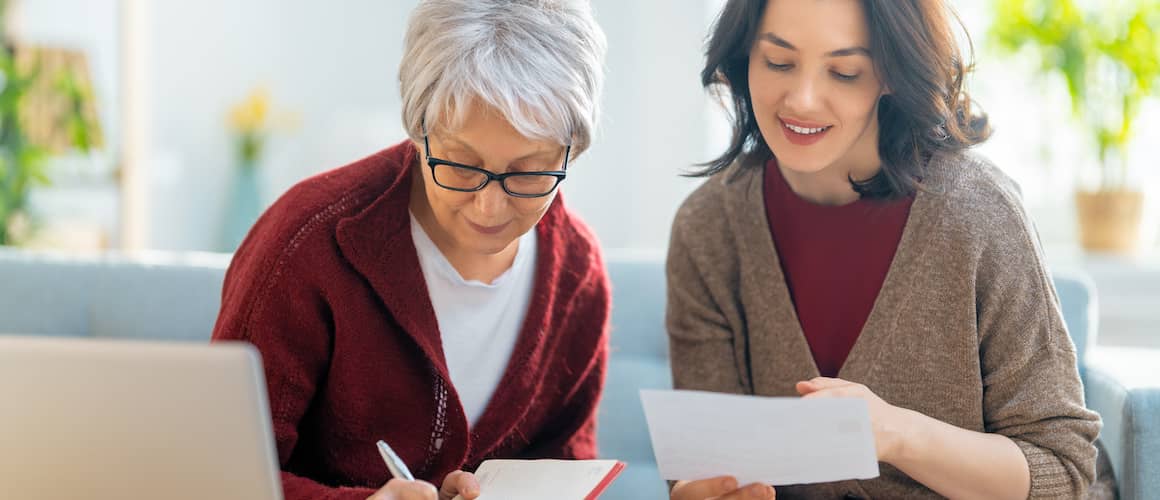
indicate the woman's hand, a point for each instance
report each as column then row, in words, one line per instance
column 456, row 483
column 459, row 483
column 401, row 489
column 720, row 488
column 885, row 419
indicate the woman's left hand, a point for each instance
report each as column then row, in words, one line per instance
column 461, row 483
column 885, row 419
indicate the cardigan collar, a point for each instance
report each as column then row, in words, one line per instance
column 767, row 295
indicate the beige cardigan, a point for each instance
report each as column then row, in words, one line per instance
column 966, row 329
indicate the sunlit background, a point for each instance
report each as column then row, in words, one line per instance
column 166, row 76
column 205, row 112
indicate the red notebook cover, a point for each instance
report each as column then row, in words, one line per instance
column 608, row 478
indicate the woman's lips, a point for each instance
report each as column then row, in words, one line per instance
column 489, row 230
column 802, row 139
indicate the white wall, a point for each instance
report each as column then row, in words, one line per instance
column 334, row 67
column 337, row 69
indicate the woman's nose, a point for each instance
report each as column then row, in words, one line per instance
column 491, row 199
column 803, row 96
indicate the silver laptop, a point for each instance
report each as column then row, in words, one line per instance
column 109, row 419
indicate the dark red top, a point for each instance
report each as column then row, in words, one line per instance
column 835, row 259
column 328, row 287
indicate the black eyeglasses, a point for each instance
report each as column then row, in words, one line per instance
column 466, row 178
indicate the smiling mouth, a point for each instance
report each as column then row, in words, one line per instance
column 807, row 131
column 488, row 229
column 802, row 135
column 803, row 128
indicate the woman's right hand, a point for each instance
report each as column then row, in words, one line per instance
column 720, row 488
column 401, row 489
column 456, row 483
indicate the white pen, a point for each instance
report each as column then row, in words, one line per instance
column 394, row 463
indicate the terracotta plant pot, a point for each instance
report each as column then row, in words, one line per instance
column 1109, row 221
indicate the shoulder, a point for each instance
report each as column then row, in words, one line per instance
column 972, row 179
column 704, row 210
column 298, row 230
column 577, row 249
column 981, row 215
column 345, row 190
column 979, row 197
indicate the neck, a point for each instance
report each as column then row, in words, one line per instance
column 822, row 188
column 470, row 265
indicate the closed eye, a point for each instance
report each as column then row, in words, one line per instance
column 778, row 67
column 844, row 77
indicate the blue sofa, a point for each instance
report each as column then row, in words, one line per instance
column 146, row 296
column 176, row 297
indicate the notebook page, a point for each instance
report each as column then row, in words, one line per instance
column 540, row 479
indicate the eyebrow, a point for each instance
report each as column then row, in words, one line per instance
column 848, row 51
column 468, row 147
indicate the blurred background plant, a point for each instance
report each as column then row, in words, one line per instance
column 250, row 122
column 1108, row 55
column 247, row 121
column 46, row 108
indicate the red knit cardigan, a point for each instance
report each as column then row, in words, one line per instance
column 328, row 287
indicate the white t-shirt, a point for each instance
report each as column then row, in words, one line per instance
column 478, row 322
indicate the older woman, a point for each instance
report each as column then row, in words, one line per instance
column 438, row 295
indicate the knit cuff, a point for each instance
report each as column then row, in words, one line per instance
column 1049, row 478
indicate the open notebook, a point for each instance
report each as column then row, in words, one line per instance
column 540, row 479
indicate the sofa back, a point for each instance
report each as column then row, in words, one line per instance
column 146, row 296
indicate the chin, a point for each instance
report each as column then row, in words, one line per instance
column 486, row 245
column 803, row 164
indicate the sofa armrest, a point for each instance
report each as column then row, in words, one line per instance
column 1123, row 385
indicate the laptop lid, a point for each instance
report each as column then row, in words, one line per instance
column 110, row 419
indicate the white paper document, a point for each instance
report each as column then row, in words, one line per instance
column 776, row 441
column 540, row 479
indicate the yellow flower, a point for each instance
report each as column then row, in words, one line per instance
column 249, row 116
column 251, row 119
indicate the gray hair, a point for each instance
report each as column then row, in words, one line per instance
column 538, row 62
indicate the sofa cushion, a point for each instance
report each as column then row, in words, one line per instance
column 44, row 294
column 157, row 301
column 148, row 295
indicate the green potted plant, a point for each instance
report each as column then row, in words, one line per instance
column 21, row 162
column 1110, row 60
column 23, row 159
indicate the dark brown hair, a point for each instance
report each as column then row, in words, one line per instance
column 915, row 55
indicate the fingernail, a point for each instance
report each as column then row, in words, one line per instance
column 758, row 491
column 729, row 484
